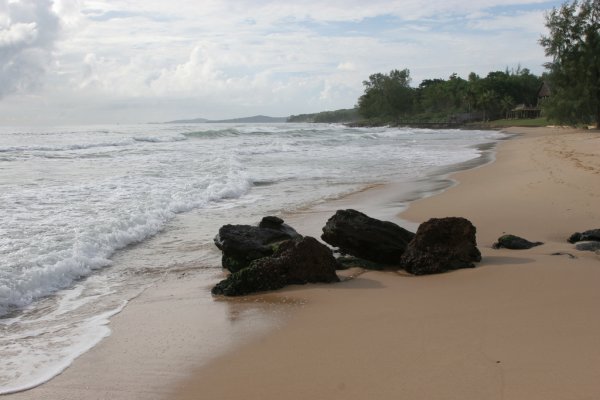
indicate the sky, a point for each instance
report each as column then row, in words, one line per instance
column 66, row 62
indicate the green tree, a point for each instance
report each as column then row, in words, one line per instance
column 442, row 98
column 525, row 86
column 507, row 103
column 574, row 72
column 431, row 95
column 387, row 96
column 487, row 101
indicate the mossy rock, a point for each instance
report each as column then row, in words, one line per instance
column 296, row 261
column 254, row 278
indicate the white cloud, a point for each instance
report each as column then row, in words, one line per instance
column 122, row 61
column 346, row 66
column 530, row 22
column 28, row 30
column 19, row 34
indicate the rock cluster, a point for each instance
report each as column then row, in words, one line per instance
column 273, row 255
column 587, row 240
column 440, row 244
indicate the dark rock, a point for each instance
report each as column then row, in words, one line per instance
column 591, row 235
column 364, row 237
column 305, row 260
column 297, row 261
column 254, row 278
column 588, row 246
column 514, row 243
column 440, row 245
column 270, row 222
column 241, row 244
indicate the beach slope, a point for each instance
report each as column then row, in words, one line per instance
column 522, row 325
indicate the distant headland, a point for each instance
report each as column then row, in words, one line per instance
column 337, row 116
column 262, row 119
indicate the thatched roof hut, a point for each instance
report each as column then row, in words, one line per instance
column 544, row 90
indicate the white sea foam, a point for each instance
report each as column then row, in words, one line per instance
column 32, row 365
column 76, row 229
column 20, row 149
column 159, row 139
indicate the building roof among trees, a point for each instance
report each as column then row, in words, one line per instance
column 544, row 90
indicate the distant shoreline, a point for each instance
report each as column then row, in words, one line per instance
column 259, row 119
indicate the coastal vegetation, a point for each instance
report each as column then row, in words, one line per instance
column 568, row 93
column 573, row 42
column 342, row 115
column 390, row 98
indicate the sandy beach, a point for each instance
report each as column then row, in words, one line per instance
column 522, row 325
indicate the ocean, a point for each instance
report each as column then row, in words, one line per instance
column 91, row 216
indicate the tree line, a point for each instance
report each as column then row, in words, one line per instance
column 573, row 75
column 573, row 42
column 390, row 97
column 342, row 115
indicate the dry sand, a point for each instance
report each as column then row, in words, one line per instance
column 522, row 325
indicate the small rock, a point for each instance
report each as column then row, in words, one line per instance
column 591, row 235
column 513, row 242
column 587, row 246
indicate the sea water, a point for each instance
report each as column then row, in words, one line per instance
column 90, row 216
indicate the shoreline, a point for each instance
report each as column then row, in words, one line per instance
column 521, row 325
column 235, row 321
